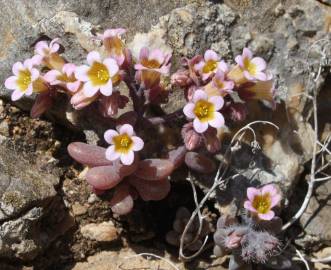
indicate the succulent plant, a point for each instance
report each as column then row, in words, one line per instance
column 147, row 178
column 182, row 217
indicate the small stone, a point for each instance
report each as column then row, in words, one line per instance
column 4, row 128
column 92, row 199
column 102, row 232
column 78, row 209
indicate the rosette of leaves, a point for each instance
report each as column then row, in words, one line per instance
column 147, row 179
column 252, row 242
column 182, row 217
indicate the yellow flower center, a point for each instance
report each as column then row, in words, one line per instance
column 123, row 143
column 210, row 66
column 150, row 63
column 24, row 79
column 98, row 74
column 262, row 203
column 204, row 110
column 249, row 66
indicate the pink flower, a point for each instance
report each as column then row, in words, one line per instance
column 151, row 65
column 253, row 68
column 210, row 64
column 22, row 81
column 98, row 76
column 65, row 78
column 261, row 201
column 44, row 49
column 113, row 44
column 124, row 144
column 221, row 83
column 204, row 111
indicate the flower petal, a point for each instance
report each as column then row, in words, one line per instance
column 17, row 67
column 92, row 57
column 223, row 66
column 126, row 128
column 16, row 95
column 144, row 52
column 275, row 200
column 248, row 76
column 157, row 55
column 29, row 91
column 89, row 89
column 11, row 83
column 107, row 89
column 260, row 63
column 81, row 73
column 109, row 134
column 217, row 101
column 247, row 53
column 270, row 188
column 211, row 55
column 239, row 60
column 261, row 76
column 69, row 69
column 34, row 74
column 73, row 86
column 199, row 66
column 188, row 110
column 51, row 75
column 248, row 205
column 199, row 94
column 267, row 216
column 218, row 120
column 138, row 143
column 127, row 159
column 252, row 192
column 112, row 66
column 111, row 154
column 199, row 126
column 40, row 47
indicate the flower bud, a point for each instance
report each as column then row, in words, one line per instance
column 211, row 140
column 79, row 100
column 192, row 139
column 181, row 78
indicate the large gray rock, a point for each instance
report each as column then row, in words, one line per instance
column 27, row 197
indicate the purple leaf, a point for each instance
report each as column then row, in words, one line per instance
column 154, row 169
column 177, row 156
column 89, row 155
column 122, row 201
column 106, row 177
column 199, row 162
column 127, row 118
column 151, row 191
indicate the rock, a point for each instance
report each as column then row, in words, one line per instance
column 28, row 200
column 316, row 219
column 78, row 209
column 102, row 232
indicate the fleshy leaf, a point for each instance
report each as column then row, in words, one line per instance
column 151, row 191
column 199, row 162
column 122, row 201
column 106, row 177
column 89, row 155
column 177, row 156
column 154, row 169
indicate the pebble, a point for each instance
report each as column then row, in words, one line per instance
column 101, row 232
column 78, row 209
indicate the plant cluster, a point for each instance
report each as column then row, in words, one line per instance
column 254, row 239
column 216, row 92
